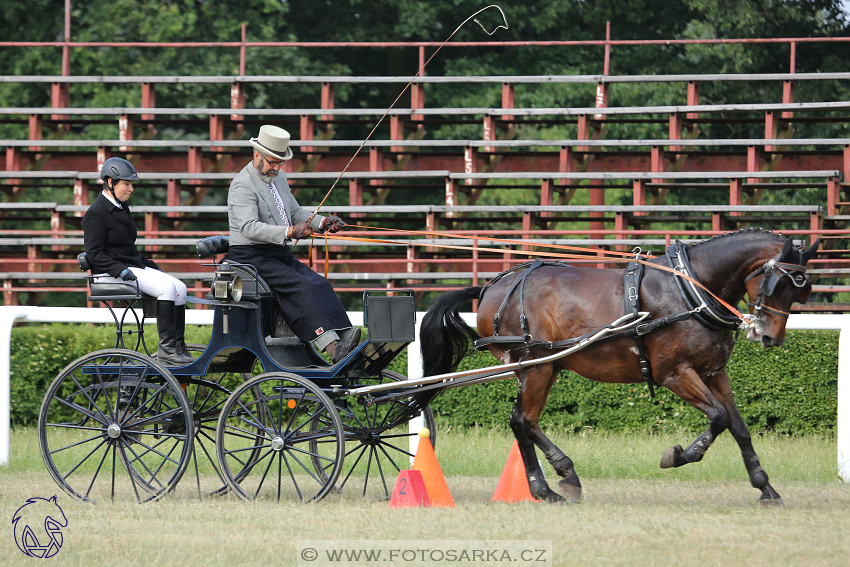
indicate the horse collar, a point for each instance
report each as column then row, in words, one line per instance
column 705, row 308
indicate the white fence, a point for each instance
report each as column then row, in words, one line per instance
column 9, row 315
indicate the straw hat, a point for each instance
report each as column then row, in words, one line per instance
column 273, row 142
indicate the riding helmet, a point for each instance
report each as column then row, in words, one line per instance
column 118, row 168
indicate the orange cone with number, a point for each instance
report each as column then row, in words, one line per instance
column 426, row 463
column 409, row 490
column 513, row 484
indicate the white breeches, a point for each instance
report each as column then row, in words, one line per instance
column 154, row 283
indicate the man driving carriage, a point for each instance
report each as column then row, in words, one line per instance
column 264, row 218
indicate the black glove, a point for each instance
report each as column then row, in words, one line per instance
column 300, row 230
column 127, row 275
column 333, row 224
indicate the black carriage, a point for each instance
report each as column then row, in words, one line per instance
column 259, row 412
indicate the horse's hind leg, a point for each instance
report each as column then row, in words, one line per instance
column 719, row 384
column 690, row 387
column 535, row 384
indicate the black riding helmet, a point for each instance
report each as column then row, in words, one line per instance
column 117, row 168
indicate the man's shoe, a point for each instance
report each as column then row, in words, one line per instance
column 344, row 346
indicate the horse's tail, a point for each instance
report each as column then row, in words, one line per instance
column 444, row 335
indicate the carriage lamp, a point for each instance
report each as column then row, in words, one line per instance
column 227, row 286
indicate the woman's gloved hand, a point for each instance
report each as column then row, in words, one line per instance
column 300, row 230
column 333, row 224
column 127, row 275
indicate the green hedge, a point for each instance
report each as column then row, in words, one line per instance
column 791, row 389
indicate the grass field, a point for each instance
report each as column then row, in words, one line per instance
column 633, row 513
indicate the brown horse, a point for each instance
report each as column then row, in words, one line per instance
column 687, row 353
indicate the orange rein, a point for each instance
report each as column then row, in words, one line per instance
column 631, row 256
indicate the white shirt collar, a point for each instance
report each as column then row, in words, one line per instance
column 112, row 200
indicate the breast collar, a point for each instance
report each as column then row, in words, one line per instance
column 707, row 310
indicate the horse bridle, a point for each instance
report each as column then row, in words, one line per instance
column 773, row 271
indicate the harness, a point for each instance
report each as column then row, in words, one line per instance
column 795, row 272
column 700, row 304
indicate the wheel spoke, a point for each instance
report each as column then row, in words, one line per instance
column 368, row 468
column 152, row 449
column 83, row 460
column 133, row 395
column 75, row 444
column 211, row 459
column 151, row 473
column 263, row 479
column 80, row 409
column 102, row 389
column 231, row 451
column 73, row 426
column 97, row 471
column 292, row 476
column 351, row 470
column 384, row 451
column 256, row 420
column 133, row 480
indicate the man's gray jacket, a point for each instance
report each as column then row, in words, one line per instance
column 252, row 212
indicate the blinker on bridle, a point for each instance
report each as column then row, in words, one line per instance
column 795, row 272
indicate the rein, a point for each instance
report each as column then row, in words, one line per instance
column 631, row 256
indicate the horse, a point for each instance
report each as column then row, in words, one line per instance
column 525, row 314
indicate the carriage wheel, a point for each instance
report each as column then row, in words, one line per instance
column 113, row 426
column 378, row 441
column 292, row 405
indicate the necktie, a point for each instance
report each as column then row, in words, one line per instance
column 279, row 203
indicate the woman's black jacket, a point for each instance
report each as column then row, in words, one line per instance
column 109, row 234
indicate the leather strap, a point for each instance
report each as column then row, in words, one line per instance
column 631, row 297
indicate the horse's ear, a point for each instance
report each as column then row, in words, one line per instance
column 810, row 253
column 786, row 249
column 52, row 499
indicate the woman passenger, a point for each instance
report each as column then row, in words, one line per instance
column 110, row 242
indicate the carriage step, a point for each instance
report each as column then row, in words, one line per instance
column 282, row 341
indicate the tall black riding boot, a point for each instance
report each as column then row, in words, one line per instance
column 180, row 329
column 167, row 327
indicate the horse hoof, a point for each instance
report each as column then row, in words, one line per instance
column 673, row 457
column 771, row 503
column 570, row 491
column 550, row 496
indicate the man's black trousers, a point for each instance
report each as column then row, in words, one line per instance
column 307, row 300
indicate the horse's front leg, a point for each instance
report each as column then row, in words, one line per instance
column 719, row 385
column 688, row 385
column 535, row 384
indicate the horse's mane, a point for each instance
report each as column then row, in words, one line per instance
column 750, row 230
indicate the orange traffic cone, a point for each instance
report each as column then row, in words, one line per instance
column 513, row 484
column 409, row 490
column 435, row 483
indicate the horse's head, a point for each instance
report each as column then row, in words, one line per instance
column 773, row 286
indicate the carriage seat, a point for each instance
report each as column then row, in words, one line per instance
column 109, row 291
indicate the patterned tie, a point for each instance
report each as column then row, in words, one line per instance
column 279, row 203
